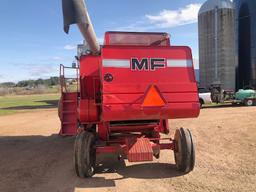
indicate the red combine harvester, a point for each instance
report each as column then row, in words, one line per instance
column 127, row 90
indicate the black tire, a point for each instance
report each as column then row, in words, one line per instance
column 184, row 151
column 249, row 102
column 201, row 102
column 84, row 154
column 193, row 153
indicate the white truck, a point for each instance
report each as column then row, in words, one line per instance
column 204, row 96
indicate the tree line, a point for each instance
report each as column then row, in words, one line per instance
column 52, row 81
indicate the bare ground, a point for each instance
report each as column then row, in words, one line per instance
column 34, row 158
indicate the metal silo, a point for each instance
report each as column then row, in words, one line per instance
column 217, row 61
column 246, row 43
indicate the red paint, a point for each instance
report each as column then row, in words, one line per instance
column 159, row 88
column 141, row 150
column 68, row 114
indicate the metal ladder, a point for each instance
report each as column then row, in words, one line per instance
column 68, row 101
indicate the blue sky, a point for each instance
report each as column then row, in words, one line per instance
column 33, row 44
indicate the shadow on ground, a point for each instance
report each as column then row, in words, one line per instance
column 38, row 163
column 150, row 170
column 44, row 104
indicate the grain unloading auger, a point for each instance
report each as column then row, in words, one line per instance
column 128, row 89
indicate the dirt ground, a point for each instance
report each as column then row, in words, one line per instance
column 34, row 158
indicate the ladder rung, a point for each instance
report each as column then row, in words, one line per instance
column 69, row 101
column 68, row 123
column 67, row 112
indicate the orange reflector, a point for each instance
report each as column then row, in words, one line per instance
column 153, row 98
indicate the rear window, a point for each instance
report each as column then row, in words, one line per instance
column 203, row 90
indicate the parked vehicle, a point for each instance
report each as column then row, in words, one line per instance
column 204, row 96
column 246, row 97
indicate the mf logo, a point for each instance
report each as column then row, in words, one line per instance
column 147, row 64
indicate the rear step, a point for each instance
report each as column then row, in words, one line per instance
column 141, row 150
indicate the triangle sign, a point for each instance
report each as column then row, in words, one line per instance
column 153, row 98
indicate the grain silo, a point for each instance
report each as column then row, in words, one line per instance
column 246, row 43
column 217, row 61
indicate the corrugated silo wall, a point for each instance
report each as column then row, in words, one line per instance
column 225, row 52
column 246, row 9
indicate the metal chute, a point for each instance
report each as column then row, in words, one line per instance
column 75, row 12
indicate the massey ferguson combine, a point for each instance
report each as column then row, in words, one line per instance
column 128, row 88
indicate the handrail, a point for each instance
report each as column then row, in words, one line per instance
column 63, row 84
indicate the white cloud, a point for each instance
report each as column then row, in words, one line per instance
column 57, row 58
column 70, row 47
column 141, row 24
column 165, row 19
column 39, row 70
column 173, row 18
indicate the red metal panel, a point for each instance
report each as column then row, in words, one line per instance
column 138, row 98
column 88, row 111
column 170, row 75
column 123, row 96
column 89, row 65
column 90, row 89
column 136, row 112
column 127, row 52
column 83, row 110
column 168, row 87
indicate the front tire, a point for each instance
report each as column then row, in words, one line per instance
column 84, row 154
column 184, row 151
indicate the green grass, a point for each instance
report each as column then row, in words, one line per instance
column 6, row 112
column 14, row 104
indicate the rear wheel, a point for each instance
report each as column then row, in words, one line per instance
column 249, row 102
column 84, row 154
column 184, row 151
